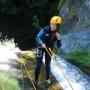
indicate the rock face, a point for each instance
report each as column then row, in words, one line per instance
column 74, row 40
column 76, row 15
column 76, row 25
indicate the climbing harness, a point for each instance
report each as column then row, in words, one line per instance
column 51, row 53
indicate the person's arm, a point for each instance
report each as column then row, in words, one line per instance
column 59, row 43
column 39, row 38
column 58, row 35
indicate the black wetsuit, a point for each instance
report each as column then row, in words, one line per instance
column 47, row 37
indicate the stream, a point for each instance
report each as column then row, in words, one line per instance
column 69, row 76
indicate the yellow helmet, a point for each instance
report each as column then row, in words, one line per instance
column 56, row 20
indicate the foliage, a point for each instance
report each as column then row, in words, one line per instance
column 79, row 56
column 8, row 83
column 21, row 19
column 36, row 22
column 8, row 43
column 27, row 8
column 74, row 7
column 61, row 4
column 58, row 50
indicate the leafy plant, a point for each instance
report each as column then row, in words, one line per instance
column 36, row 22
column 61, row 4
column 10, row 43
column 8, row 83
column 79, row 56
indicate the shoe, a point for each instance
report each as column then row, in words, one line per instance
column 36, row 84
column 47, row 83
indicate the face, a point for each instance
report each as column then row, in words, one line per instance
column 53, row 27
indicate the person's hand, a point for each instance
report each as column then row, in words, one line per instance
column 43, row 46
column 58, row 36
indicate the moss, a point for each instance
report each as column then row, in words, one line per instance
column 8, row 83
column 74, row 7
column 61, row 4
column 79, row 57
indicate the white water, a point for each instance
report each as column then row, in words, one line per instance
column 77, row 80
column 7, row 56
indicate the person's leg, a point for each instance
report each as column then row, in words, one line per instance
column 39, row 56
column 47, row 64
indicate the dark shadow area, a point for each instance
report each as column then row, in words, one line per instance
column 20, row 28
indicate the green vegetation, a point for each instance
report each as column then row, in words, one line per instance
column 9, row 43
column 28, row 8
column 74, row 7
column 36, row 22
column 61, row 4
column 8, row 83
column 79, row 57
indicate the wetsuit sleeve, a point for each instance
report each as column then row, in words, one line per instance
column 59, row 43
column 39, row 36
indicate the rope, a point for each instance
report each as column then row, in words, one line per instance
column 59, row 66
column 28, row 74
column 56, row 63
column 22, row 77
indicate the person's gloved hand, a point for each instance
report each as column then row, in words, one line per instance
column 58, row 36
column 43, row 46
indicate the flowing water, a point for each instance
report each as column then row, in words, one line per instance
column 69, row 76
column 8, row 57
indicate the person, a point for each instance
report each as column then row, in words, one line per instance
column 46, row 39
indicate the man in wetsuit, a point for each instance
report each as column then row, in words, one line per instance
column 46, row 39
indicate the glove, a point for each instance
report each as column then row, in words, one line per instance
column 58, row 36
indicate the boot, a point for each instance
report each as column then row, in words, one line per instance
column 47, row 83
